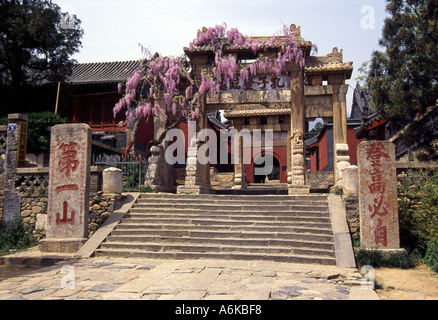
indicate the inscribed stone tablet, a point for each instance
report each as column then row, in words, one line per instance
column 12, row 207
column 379, row 224
column 68, row 205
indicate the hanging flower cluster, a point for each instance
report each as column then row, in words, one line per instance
column 226, row 66
column 169, row 78
column 158, row 77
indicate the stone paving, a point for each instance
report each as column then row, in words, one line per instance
column 145, row 279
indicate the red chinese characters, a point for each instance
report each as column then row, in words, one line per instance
column 257, row 83
column 381, row 234
column 263, row 82
column 65, row 219
column 235, row 84
column 67, row 164
column 378, row 187
column 378, row 211
column 277, row 83
column 69, row 174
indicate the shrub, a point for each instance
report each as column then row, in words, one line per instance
column 377, row 259
column 418, row 209
column 431, row 257
column 402, row 260
column 369, row 257
column 38, row 136
column 15, row 237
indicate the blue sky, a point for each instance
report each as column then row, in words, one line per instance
column 113, row 28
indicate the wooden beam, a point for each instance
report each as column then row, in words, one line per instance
column 107, row 147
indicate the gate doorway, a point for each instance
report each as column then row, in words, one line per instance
column 269, row 174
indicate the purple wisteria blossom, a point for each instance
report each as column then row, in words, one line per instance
column 163, row 85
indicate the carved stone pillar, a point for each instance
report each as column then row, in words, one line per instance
column 239, row 167
column 153, row 177
column 297, row 176
column 194, row 172
column 342, row 158
column 202, row 123
column 197, row 175
column 15, row 148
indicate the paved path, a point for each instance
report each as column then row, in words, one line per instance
column 110, row 278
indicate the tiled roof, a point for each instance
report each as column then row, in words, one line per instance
column 102, row 72
column 256, row 112
column 367, row 122
column 332, row 66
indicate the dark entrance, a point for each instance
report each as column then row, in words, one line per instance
column 269, row 174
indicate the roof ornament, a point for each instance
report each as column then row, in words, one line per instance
column 296, row 31
column 336, row 54
column 203, row 30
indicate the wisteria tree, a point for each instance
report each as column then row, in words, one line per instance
column 171, row 79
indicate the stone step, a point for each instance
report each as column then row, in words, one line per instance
column 249, row 227
column 223, row 241
column 165, row 247
column 226, row 234
column 228, row 218
column 323, row 260
column 253, row 191
column 223, row 202
column 317, row 206
column 219, row 207
column 202, row 212
column 192, row 227
column 220, row 221
column 273, row 198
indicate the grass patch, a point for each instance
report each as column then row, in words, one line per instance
column 15, row 237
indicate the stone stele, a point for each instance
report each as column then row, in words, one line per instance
column 69, row 176
column 112, row 181
column 11, row 207
column 379, row 223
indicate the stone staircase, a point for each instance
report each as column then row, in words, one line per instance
column 249, row 227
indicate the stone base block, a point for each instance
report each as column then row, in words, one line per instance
column 193, row 190
column 387, row 252
column 165, row 189
column 61, row 245
column 296, row 189
column 337, row 189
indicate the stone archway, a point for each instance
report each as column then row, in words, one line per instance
column 314, row 90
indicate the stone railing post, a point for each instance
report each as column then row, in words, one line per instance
column 15, row 148
column 15, row 156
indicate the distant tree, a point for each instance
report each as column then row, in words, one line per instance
column 318, row 127
column 36, row 43
column 38, row 134
column 363, row 74
column 38, row 137
column 403, row 80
